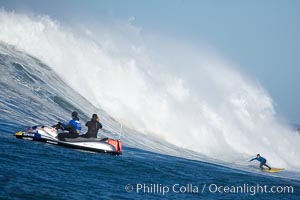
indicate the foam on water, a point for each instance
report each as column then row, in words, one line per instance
column 185, row 95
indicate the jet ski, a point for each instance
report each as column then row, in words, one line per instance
column 49, row 134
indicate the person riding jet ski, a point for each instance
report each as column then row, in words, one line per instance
column 74, row 127
column 93, row 127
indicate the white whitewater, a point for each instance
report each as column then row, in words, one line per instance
column 186, row 96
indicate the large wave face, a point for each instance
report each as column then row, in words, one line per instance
column 32, row 94
column 162, row 88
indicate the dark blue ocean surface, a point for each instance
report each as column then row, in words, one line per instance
column 33, row 170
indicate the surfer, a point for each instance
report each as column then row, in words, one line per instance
column 262, row 161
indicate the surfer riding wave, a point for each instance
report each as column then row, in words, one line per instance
column 262, row 161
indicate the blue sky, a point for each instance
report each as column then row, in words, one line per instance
column 262, row 37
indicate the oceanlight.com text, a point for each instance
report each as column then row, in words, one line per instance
column 212, row 188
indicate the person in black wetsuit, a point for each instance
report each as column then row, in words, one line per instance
column 93, row 127
column 74, row 127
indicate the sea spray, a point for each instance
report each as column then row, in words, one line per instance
column 183, row 95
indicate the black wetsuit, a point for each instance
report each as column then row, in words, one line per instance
column 93, row 128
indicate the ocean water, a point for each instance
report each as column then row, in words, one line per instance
column 33, row 170
column 175, row 158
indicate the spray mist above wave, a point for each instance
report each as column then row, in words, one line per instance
column 184, row 95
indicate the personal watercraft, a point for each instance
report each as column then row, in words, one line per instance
column 49, row 134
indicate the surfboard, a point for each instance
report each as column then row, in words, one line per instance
column 273, row 170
